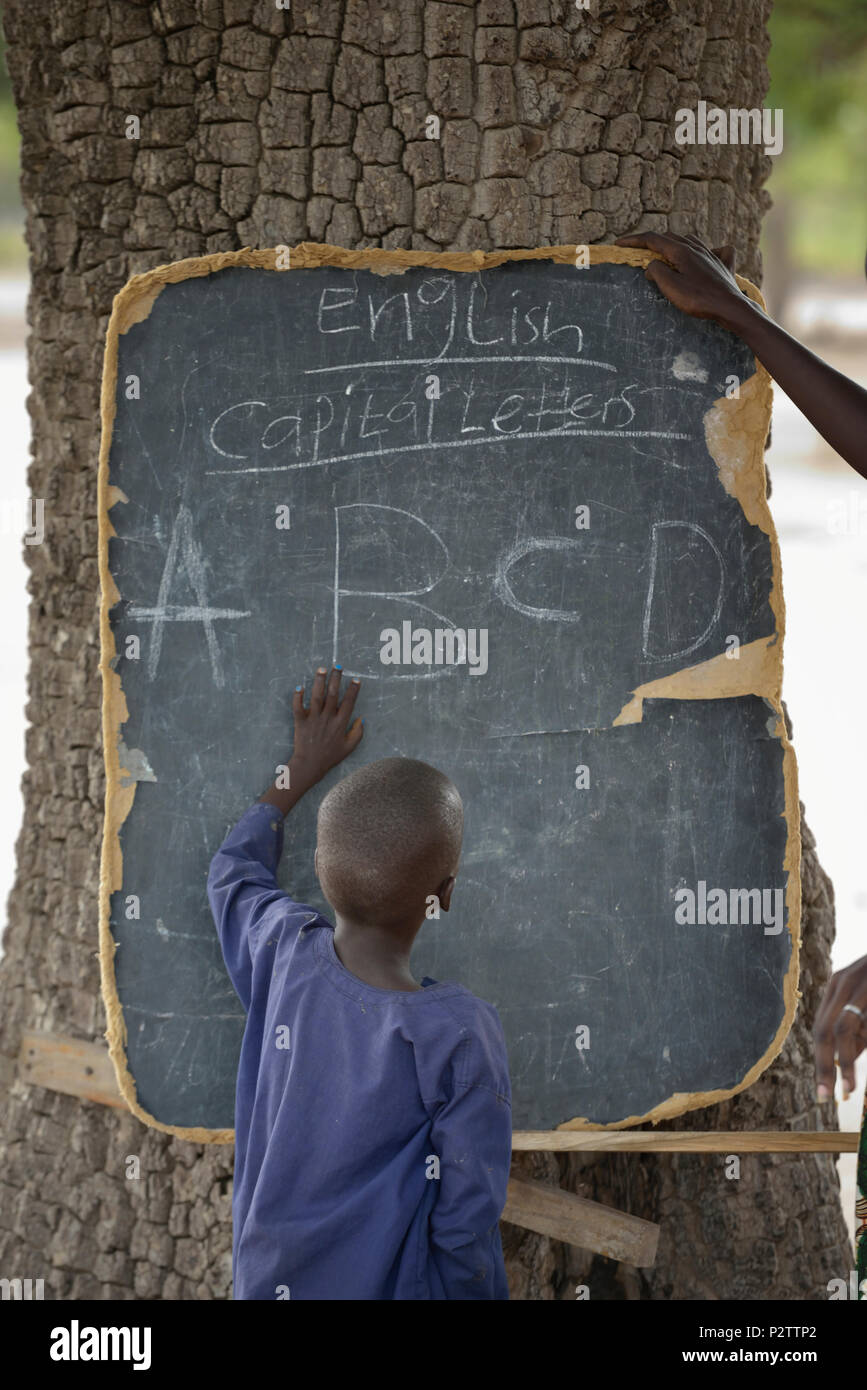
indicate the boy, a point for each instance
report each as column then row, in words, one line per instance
column 373, row 1114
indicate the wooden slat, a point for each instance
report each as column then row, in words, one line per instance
column 577, row 1221
column 737, row 1141
column 66, row 1064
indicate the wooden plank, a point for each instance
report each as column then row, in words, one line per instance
column 552, row 1212
column 737, row 1141
column 66, row 1064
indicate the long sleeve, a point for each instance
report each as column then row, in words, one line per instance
column 243, row 890
column 472, row 1135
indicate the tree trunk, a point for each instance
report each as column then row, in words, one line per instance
column 557, row 126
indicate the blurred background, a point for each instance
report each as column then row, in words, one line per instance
column 814, row 247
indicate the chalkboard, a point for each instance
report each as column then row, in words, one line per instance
column 522, row 497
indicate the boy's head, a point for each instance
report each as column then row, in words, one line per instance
column 389, row 836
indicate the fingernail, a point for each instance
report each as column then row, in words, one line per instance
column 299, row 687
column 824, row 1093
column 338, row 668
column 356, row 680
column 320, row 670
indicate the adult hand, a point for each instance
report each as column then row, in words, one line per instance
column 840, row 1032
column 692, row 276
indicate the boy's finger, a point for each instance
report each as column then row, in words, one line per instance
column 350, row 695
column 298, row 709
column 355, row 733
column 331, row 697
column 317, row 694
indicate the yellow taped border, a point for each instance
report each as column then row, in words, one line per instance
column 735, row 431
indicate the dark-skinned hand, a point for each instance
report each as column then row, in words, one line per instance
column 324, row 736
column 839, row 1034
column 694, row 278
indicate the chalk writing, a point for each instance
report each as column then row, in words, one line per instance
column 184, row 556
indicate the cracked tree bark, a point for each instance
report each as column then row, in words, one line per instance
column 261, row 126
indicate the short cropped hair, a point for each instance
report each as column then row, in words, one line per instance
column 389, row 835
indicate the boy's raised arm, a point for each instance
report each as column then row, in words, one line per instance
column 242, row 883
column 242, row 886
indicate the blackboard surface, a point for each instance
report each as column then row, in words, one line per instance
column 305, row 459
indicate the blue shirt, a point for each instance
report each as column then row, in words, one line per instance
column 373, row 1127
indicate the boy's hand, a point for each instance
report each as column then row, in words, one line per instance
column 692, row 277
column 323, row 736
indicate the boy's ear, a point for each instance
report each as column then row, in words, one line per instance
column 444, row 892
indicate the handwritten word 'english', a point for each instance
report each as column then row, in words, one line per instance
column 450, row 308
